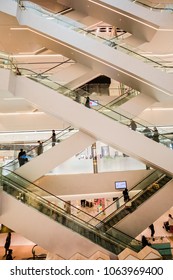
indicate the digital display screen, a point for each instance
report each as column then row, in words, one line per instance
column 120, row 184
column 93, row 102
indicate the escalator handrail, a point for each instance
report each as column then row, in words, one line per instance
column 138, row 2
column 108, row 42
column 11, row 163
column 134, row 197
column 113, row 111
column 121, row 197
column 96, row 109
column 24, row 189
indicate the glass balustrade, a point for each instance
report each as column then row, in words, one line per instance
column 160, row 6
column 119, row 203
column 99, row 232
column 123, row 98
column 72, row 94
column 46, row 145
column 138, row 194
column 114, row 42
column 66, row 214
column 124, row 117
column 156, row 4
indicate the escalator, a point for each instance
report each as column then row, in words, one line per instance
column 129, row 14
column 47, row 96
column 139, row 194
column 69, row 142
column 161, row 6
column 131, row 68
column 91, row 129
column 123, row 98
column 46, row 145
column 20, row 197
column 158, row 156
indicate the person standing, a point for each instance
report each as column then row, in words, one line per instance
column 151, row 227
column 20, row 157
column 133, row 125
column 170, row 222
column 39, row 148
column 126, row 195
column 87, row 103
column 7, row 243
column 24, row 157
column 9, row 255
column 145, row 242
column 53, row 138
column 156, row 134
column 147, row 132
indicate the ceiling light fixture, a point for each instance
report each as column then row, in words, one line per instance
column 159, row 109
column 21, row 113
column 13, row 98
column 18, row 28
column 36, row 56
